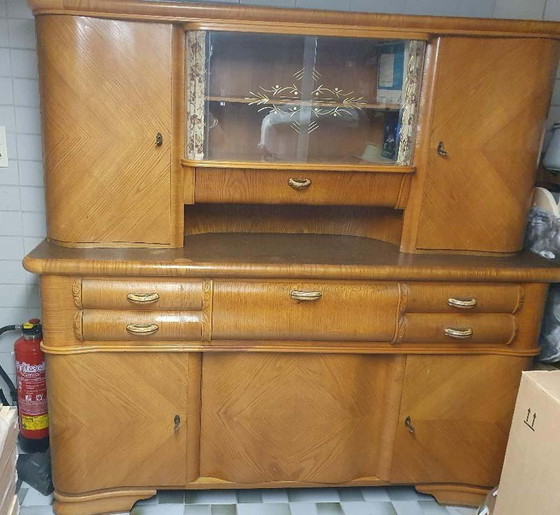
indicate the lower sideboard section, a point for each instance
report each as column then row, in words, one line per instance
column 126, row 422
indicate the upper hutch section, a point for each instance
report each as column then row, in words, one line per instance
column 301, row 98
column 165, row 119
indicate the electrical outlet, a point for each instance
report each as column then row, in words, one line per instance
column 3, row 148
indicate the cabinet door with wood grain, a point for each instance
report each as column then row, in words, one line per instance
column 106, row 93
column 302, row 418
column 118, row 420
column 490, row 104
column 454, row 419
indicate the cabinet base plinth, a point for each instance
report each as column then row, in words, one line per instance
column 115, row 501
column 460, row 495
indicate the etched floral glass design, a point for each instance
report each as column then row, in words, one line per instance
column 308, row 99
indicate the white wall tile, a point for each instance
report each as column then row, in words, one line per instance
column 11, row 223
column 29, row 147
column 24, row 63
column 34, row 224
column 13, row 273
column 553, row 116
column 334, row 5
column 270, row 3
column 10, row 316
column 556, row 94
column 8, row 118
column 30, row 173
column 30, row 243
column 28, row 120
column 32, row 199
column 19, row 9
column 12, row 145
column 552, row 10
column 5, row 66
column 474, row 8
column 9, row 198
column 22, row 34
column 4, row 39
column 2, row 8
column 33, row 299
column 11, row 247
column 6, row 91
column 378, row 6
column 26, row 92
column 522, row 9
column 7, row 358
column 13, row 295
column 9, row 176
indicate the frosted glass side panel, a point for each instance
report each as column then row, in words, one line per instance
column 301, row 99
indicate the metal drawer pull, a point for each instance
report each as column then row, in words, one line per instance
column 142, row 298
column 441, row 150
column 408, row 425
column 461, row 334
column 462, row 303
column 176, row 423
column 299, row 184
column 305, row 295
column 142, row 329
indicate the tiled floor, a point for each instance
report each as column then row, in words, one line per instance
column 396, row 500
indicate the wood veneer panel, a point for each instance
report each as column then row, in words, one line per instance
column 271, row 417
column 106, row 92
column 110, row 429
column 273, row 187
column 289, row 256
column 491, row 102
column 266, row 310
column 461, row 409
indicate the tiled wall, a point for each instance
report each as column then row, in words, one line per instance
column 22, row 207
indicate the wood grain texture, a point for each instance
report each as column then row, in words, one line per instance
column 326, row 408
column 169, row 294
column 355, row 23
column 477, row 197
column 261, row 310
column 135, row 417
column 106, row 92
column 273, row 187
column 460, row 425
column 298, row 256
column 105, row 325
column 105, row 502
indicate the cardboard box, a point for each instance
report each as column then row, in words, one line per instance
column 530, row 482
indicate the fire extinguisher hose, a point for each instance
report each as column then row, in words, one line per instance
column 3, row 375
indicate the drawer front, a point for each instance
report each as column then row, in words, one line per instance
column 299, row 187
column 138, row 294
column 463, row 298
column 305, row 310
column 452, row 328
column 99, row 325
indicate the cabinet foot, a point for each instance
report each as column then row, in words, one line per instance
column 461, row 495
column 114, row 501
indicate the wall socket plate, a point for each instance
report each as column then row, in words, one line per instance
column 3, row 148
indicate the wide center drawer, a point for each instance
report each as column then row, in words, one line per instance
column 300, row 187
column 305, row 310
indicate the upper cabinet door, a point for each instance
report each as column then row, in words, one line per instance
column 106, row 94
column 304, row 99
column 490, row 103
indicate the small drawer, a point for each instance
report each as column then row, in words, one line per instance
column 305, row 311
column 463, row 298
column 300, row 187
column 451, row 328
column 138, row 294
column 98, row 325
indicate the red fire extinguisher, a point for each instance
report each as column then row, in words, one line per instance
column 32, row 388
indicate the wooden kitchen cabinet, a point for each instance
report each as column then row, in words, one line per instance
column 284, row 247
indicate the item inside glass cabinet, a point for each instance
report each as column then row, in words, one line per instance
column 307, row 99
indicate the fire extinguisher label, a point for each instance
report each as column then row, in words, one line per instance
column 34, row 423
column 32, row 388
